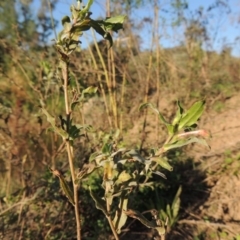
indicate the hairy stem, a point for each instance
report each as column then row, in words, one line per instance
column 70, row 150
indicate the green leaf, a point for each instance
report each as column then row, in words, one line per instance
column 99, row 202
column 100, row 159
column 64, row 186
column 87, row 7
column 107, row 148
column 192, row 115
column 73, row 44
column 93, row 156
column 163, row 214
column 161, row 117
column 150, row 105
column 123, row 177
column 106, row 35
column 176, row 203
column 89, row 90
column 141, row 218
column 178, row 114
column 86, row 171
column 52, row 121
column 134, row 153
column 175, row 208
column 74, row 104
column 74, row 132
column 163, row 163
column 168, row 211
column 113, row 23
column 75, row 12
column 115, row 19
column 82, row 26
column 177, row 195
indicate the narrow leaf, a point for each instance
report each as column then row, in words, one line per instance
column 113, row 23
column 116, row 19
column 150, row 105
column 87, row 7
column 134, row 153
column 168, row 211
column 64, row 186
column 192, row 115
column 99, row 202
column 81, row 26
column 89, row 90
column 120, row 216
column 178, row 114
column 176, row 203
column 176, row 207
column 107, row 148
column 86, row 171
column 163, row 214
column 163, row 163
column 52, row 121
column 141, row 218
column 93, row 156
column 160, row 174
column 169, row 126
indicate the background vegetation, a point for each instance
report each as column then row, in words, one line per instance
column 31, row 203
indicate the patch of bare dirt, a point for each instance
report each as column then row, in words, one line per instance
column 215, row 215
column 214, row 212
column 221, row 164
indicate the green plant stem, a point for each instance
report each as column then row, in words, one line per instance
column 158, row 154
column 70, row 150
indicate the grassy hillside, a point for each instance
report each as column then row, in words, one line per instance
column 32, row 206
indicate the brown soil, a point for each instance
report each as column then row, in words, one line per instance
column 215, row 212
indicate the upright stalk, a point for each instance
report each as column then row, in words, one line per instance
column 106, row 74
column 112, row 228
column 110, row 221
column 156, row 33
column 100, row 81
column 70, row 149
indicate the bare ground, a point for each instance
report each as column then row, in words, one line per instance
column 214, row 211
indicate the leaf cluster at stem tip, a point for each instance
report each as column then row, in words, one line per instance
column 68, row 38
